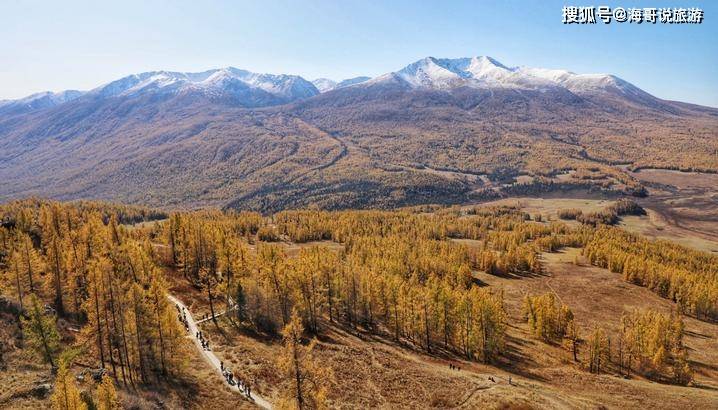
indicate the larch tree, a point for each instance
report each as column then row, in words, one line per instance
column 65, row 394
column 598, row 350
column 30, row 263
column 52, row 238
column 307, row 379
column 41, row 331
column 107, row 395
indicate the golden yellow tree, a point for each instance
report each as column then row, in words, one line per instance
column 106, row 395
column 65, row 394
column 307, row 379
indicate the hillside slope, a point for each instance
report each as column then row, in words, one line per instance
column 436, row 131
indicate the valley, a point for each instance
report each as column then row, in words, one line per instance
column 315, row 205
column 457, row 233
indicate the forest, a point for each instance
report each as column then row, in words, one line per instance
column 105, row 271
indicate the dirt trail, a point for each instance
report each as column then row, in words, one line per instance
column 212, row 360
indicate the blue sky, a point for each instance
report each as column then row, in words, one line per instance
column 56, row 45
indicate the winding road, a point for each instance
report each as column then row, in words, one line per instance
column 213, row 361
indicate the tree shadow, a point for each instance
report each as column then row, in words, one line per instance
column 515, row 361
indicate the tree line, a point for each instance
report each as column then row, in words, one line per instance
column 685, row 276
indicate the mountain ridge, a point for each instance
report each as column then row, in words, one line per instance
column 457, row 130
column 429, row 72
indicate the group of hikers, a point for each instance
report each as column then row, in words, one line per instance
column 241, row 385
column 182, row 316
column 203, row 342
column 226, row 372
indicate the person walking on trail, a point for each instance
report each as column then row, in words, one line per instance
column 221, row 365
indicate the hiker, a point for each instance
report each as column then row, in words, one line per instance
column 221, row 365
column 249, row 391
column 510, row 380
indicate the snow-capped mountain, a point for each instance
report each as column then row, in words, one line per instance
column 241, row 87
column 486, row 72
column 216, row 83
column 39, row 101
column 184, row 139
column 251, row 90
column 325, row 84
column 352, row 81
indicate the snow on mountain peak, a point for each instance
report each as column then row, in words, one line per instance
column 212, row 82
column 40, row 100
column 444, row 73
column 324, row 84
column 432, row 73
column 487, row 72
column 253, row 89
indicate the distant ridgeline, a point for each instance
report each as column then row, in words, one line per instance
column 435, row 131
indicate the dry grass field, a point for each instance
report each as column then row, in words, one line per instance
column 685, row 206
column 679, row 217
column 548, row 206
